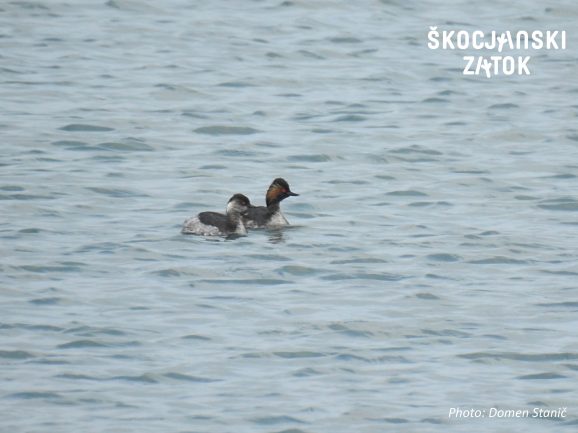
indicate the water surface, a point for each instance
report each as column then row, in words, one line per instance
column 431, row 262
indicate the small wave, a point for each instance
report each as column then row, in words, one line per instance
column 127, row 146
column 45, row 301
column 196, row 337
column 236, row 84
column 168, row 273
column 115, row 192
column 563, row 176
column 72, row 376
column 346, row 182
column 25, row 197
column 525, row 197
column 309, row 158
column 427, row 296
column 311, row 55
column 363, row 276
column 80, row 127
column 560, row 204
column 214, row 167
column 143, row 378
column 188, row 378
column 31, row 230
column 132, row 6
column 542, row 376
column 90, row 331
column 537, row 357
column 34, row 395
column 499, row 260
column 71, row 144
column 297, row 270
column 351, row 357
column 81, row 344
column 237, row 153
column 446, row 333
column 306, row 372
column 391, row 420
column 384, row 359
column 248, row 281
column 41, row 269
column 273, row 420
column 506, row 106
column 273, row 257
column 11, row 188
column 565, row 273
column 15, row 354
column 31, row 5
column 407, row 193
column 350, row 118
column 559, row 304
column 299, row 354
column 226, row 130
column 444, row 257
column 345, row 40
column 430, row 204
column 359, row 260
column 28, row 327
column 415, row 149
column 435, row 100
column 346, row 330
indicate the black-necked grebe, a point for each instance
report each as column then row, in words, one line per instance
column 270, row 215
column 215, row 224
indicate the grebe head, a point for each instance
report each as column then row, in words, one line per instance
column 238, row 204
column 278, row 191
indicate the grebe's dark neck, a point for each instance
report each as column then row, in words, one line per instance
column 273, row 207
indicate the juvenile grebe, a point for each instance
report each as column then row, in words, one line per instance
column 215, row 224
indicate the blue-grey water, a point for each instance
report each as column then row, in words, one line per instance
column 431, row 263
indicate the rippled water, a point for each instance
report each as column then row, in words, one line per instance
column 431, row 262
